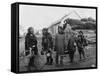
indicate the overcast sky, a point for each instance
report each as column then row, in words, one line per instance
column 43, row 16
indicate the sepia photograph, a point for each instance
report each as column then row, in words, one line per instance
column 57, row 38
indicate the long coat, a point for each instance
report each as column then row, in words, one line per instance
column 68, row 33
column 31, row 40
column 47, row 41
column 71, row 44
column 60, row 44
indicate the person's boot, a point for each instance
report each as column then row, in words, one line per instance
column 71, row 60
column 51, row 61
column 47, row 61
column 84, row 56
column 80, row 57
column 61, row 60
column 57, row 62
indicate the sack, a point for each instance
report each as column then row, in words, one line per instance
column 85, row 42
column 39, row 62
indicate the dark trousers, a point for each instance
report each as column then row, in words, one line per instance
column 49, row 60
column 35, row 51
column 31, row 64
column 71, row 55
column 31, row 61
column 81, row 52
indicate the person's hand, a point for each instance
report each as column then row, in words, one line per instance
column 33, row 46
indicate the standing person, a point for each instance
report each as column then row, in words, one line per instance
column 83, row 38
column 59, row 45
column 81, row 43
column 31, row 45
column 47, row 46
column 68, row 31
column 71, row 47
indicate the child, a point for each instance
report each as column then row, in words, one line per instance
column 80, row 44
column 47, row 46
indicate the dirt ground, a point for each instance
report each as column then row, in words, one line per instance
column 90, row 60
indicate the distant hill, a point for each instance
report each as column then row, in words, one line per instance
column 80, row 24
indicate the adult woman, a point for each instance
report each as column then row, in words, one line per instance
column 31, row 46
column 59, row 45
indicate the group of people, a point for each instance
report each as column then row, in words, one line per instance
column 66, row 41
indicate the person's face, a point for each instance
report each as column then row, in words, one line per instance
column 59, row 30
column 65, row 22
column 73, row 35
column 44, row 32
column 80, row 33
column 79, row 38
column 32, row 30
